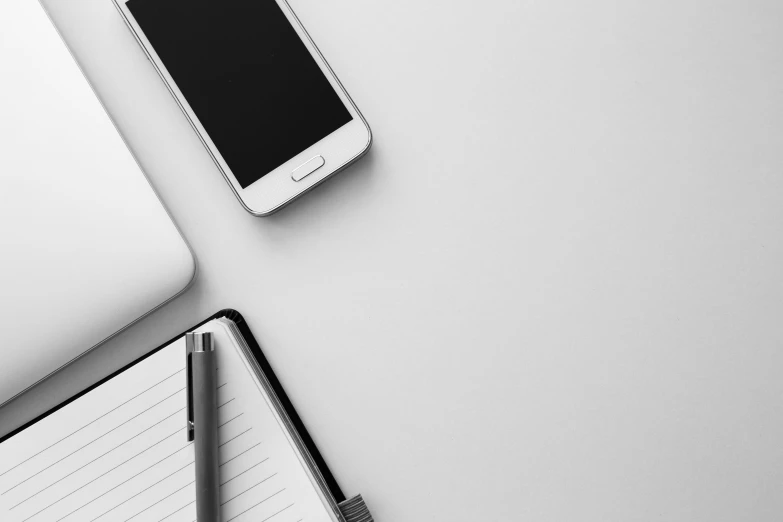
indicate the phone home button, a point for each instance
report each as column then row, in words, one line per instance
column 307, row 168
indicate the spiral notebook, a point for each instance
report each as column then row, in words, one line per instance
column 119, row 451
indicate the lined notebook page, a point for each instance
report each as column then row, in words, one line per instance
column 119, row 453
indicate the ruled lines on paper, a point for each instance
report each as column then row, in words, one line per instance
column 91, row 422
column 120, row 453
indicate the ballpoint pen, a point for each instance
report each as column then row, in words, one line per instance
column 202, row 422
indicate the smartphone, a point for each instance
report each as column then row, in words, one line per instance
column 257, row 91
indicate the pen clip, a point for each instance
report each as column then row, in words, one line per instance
column 190, row 343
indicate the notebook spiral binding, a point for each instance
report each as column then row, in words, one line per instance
column 355, row 510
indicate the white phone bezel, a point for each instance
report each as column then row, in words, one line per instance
column 277, row 188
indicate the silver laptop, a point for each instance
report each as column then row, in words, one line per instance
column 86, row 247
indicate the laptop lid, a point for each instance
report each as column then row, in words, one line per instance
column 86, row 247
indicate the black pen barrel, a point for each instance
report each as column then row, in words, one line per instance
column 206, row 432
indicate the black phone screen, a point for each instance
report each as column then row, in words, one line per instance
column 248, row 77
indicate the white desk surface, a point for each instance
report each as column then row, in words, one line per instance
column 553, row 290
